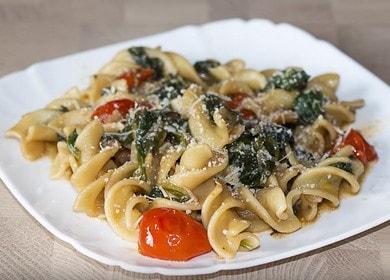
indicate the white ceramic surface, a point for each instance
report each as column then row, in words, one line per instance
column 261, row 44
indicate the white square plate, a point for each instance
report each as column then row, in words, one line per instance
column 261, row 44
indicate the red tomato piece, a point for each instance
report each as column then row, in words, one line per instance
column 135, row 78
column 363, row 150
column 247, row 114
column 169, row 234
column 144, row 74
column 104, row 111
column 236, row 100
column 129, row 77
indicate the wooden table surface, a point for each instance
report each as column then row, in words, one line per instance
column 33, row 30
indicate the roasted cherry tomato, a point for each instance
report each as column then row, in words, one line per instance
column 104, row 111
column 236, row 100
column 247, row 114
column 135, row 78
column 170, row 234
column 363, row 150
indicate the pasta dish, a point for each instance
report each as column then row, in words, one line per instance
column 188, row 158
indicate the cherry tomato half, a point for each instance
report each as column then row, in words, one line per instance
column 363, row 150
column 104, row 111
column 135, row 78
column 170, row 234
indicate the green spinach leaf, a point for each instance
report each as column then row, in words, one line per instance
column 309, row 105
column 141, row 58
column 70, row 142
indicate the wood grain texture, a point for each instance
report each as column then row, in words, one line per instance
column 33, row 30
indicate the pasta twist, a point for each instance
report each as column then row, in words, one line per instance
column 216, row 135
column 235, row 70
column 317, row 137
column 272, row 207
column 198, row 163
column 123, row 208
column 90, row 170
column 324, row 182
column 225, row 228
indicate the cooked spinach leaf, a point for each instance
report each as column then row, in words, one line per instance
column 291, row 78
column 170, row 88
column 141, row 58
column 202, row 67
column 253, row 161
column 305, row 157
column 70, row 142
column 346, row 166
column 125, row 137
column 176, row 128
column 156, row 192
column 154, row 127
column 213, row 102
column 309, row 105
column 149, row 135
column 276, row 138
column 257, row 150
column 173, row 192
column 149, row 129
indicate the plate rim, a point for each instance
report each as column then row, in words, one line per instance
column 223, row 265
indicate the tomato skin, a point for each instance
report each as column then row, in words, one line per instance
column 135, row 78
column 129, row 77
column 247, row 114
column 104, row 111
column 169, row 234
column 144, row 74
column 236, row 100
column 362, row 149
